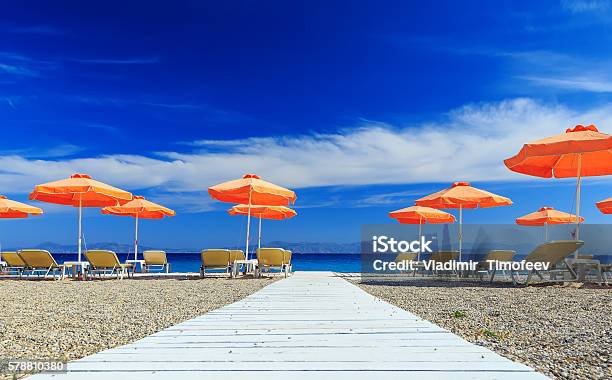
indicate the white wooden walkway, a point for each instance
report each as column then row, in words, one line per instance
column 309, row 326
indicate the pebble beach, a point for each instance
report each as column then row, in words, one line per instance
column 564, row 332
column 70, row 319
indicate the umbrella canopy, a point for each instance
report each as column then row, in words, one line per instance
column 139, row 208
column 263, row 212
column 421, row 215
column 80, row 190
column 579, row 152
column 13, row 209
column 546, row 215
column 252, row 190
column 605, row 206
column 463, row 195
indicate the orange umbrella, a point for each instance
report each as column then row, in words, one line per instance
column 462, row 195
column 263, row 212
column 13, row 209
column 605, row 206
column 252, row 190
column 139, row 208
column 419, row 215
column 80, row 190
column 579, row 152
column 546, row 216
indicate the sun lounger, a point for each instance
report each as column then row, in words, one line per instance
column 555, row 254
column 444, row 257
column 407, row 256
column 105, row 262
column 155, row 260
column 215, row 259
column 236, row 254
column 14, row 263
column 41, row 261
column 272, row 258
column 495, row 255
column 287, row 260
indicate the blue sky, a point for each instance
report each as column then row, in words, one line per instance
column 360, row 107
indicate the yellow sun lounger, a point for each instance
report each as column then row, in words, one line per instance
column 216, row 259
column 273, row 258
column 39, row 261
column 105, row 262
column 155, row 260
column 14, row 263
column 495, row 255
column 555, row 254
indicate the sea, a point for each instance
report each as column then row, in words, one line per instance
column 190, row 261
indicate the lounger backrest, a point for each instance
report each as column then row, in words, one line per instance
column 216, row 258
column 500, row 255
column 12, row 259
column 273, row 257
column 37, row 258
column 100, row 258
column 554, row 252
column 236, row 254
column 155, row 257
column 287, row 257
column 408, row 256
column 444, row 256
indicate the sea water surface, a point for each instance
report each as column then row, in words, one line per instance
column 190, row 261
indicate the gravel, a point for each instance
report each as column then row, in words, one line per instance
column 71, row 319
column 564, row 332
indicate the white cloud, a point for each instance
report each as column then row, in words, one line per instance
column 600, row 84
column 470, row 144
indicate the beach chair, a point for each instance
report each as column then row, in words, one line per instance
column 105, row 262
column 444, row 257
column 271, row 258
column 482, row 267
column 39, row 261
column 555, row 253
column 287, row 260
column 14, row 263
column 215, row 259
column 155, row 260
column 407, row 256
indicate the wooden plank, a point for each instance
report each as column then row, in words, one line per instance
column 308, row 326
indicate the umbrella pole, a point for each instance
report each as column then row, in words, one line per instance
column 80, row 223
column 545, row 232
column 420, row 235
column 460, row 229
column 248, row 226
column 136, row 241
column 578, row 198
column 259, row 240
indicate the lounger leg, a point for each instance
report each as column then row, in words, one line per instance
column 528, row 278
column 492, row 276
column 569, row 267
column 202, row 272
